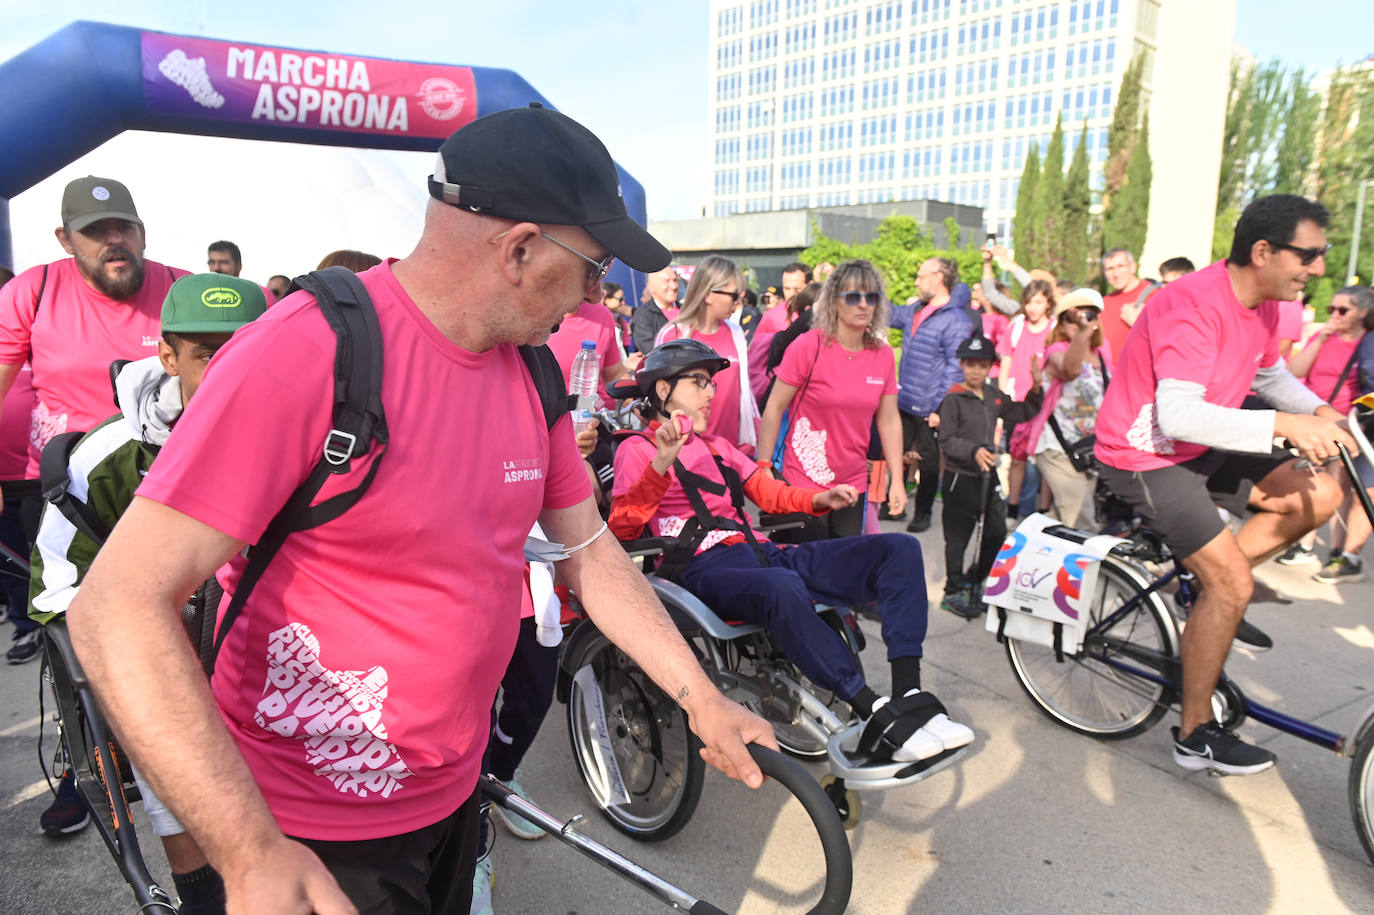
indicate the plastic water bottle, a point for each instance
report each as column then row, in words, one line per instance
column 583, row 382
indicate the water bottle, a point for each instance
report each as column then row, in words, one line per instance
column 582, row 384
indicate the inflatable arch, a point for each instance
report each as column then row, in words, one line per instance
column 90, row 81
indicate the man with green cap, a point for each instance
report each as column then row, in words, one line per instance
column 107, row 465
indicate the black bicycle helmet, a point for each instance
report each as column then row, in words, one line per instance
column 668, row 361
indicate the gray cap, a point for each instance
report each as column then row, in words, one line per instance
column 91, row 199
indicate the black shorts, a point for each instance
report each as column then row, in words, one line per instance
column 1180, row 502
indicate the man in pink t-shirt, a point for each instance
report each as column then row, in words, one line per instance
column 1173, row 441
column 70, row 319
column 350, row 705
column 591, row 322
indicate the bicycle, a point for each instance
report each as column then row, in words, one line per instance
column 1128, row 672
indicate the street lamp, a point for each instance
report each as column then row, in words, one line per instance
column 1355, row 236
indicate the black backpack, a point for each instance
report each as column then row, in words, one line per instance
column 359, row 430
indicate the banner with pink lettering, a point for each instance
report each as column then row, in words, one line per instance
column 229, row 81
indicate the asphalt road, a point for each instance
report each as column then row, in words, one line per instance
column 1034, row 819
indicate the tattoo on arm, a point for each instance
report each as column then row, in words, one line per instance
column 683, row 693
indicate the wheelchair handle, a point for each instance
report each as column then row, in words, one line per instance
column 839, row 859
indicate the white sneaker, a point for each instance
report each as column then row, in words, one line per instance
column 937, row 735
column 482, row 881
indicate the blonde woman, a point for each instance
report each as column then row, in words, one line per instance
column 717, row 287
column 835, row 381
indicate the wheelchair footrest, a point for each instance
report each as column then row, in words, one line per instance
column 848, row 764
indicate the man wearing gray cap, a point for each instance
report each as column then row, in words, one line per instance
column 349, row 708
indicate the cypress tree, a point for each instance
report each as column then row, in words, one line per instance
column 1049, row 207
column 1026, row 227
column 1127, row 219
column 1077, row 204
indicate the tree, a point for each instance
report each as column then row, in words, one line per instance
column 1049, row 208
column 1077, row 215
column 1122, row 132
column 1126, row 220
column 1345, row 159
column 1024, row 229
column 1235, row 139
column 1297, row 147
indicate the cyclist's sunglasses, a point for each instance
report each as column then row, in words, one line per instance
column 1305, row 255
column 854, row 299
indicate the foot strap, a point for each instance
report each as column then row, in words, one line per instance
column 893, row 724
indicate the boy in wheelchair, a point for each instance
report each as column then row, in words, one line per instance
column 103, row 470
column 679, row 483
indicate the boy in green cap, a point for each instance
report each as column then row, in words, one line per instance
column 105, row 468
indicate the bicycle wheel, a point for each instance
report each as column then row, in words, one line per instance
column 1362, row 785
column 1098, row 692
column 632, row 745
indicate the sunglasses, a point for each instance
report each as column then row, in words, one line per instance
column 1305, row 255
column 1340, row 310
column 854, row 299
column 729, row 292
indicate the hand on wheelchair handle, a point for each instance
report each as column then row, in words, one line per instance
column 724, row 728
column 1315, row 437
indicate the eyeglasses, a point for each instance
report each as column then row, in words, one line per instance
column 598, row 268
column 854, row 299
column 736, row 295
column 701, row 381
column 1305, row 255
column 1340, row 310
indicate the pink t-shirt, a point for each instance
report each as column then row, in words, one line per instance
column 774, row 320
column 15, row 419
column 995, row 328
column 636, row 452
column 1331, row 361
column 832, row 415
column 1028, row 343
column 589, row 322
column 1290, row 323
column 1195, row 330
column 724, row 418
column 359, row 681
column 70, row 339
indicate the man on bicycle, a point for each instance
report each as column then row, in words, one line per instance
column 331, row 764
column 1174, row 442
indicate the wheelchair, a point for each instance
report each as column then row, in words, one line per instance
column 631, row 741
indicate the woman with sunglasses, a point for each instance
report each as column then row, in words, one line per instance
column 1327, row 366
column 620, row 313
column 1078, row 366
column 716, row 288
column 835, row 381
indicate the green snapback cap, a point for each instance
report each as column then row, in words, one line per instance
column 211, row 303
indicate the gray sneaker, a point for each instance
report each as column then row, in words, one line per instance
column 1340, row 569
column 1298, row 555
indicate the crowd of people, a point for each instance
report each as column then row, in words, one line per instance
column 791, row 397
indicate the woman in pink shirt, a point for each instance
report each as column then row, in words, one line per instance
column 1024, row 341
column 1326, row 365
column 835, row 381
column 716, row 288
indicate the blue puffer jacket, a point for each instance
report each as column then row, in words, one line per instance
column 929, row 368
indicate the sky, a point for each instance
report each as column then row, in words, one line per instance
column 634, row 71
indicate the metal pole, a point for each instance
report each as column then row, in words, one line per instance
column 1355, row 235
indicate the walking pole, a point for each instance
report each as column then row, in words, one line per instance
column 976, row 583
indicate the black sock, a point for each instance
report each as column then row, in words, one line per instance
column 906, row 675
column 201, row 891
column 863, row 702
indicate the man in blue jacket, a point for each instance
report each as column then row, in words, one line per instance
column 933, row 330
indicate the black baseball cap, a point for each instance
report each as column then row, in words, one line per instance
column 536, row 165
column 976, row 346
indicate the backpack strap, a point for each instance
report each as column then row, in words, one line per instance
column 55, row 480
column 547, row 375
column 358, row 421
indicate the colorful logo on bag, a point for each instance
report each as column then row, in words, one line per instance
column 1069, row 582
column 1000, row 576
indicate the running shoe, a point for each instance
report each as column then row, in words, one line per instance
column 1298, row 555
column 960, row 603
column 482, row 881
column 515, row 824
column 67, row 814
column 1211, row 746
column 25, row 647
column 1340, row 569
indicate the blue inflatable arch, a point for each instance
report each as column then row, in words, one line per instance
column 90, row 81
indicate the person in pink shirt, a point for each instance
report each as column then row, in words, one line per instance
column 795, row 277
column 835, row 381
column 331, row 765
column 1327, row 365
column 995, row 323
column 715, row 288
column 1023, row 342
column 70, row 319
column 1173, row 441
column 593, row 322
column 1290, row 326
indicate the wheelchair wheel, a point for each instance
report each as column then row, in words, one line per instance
column 1362, row 785
column 1106, row 691
column 632, row 745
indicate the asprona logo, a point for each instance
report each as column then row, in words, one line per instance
column 221, row 298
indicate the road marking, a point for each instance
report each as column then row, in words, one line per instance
column 27, row 794
column 21, row 726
